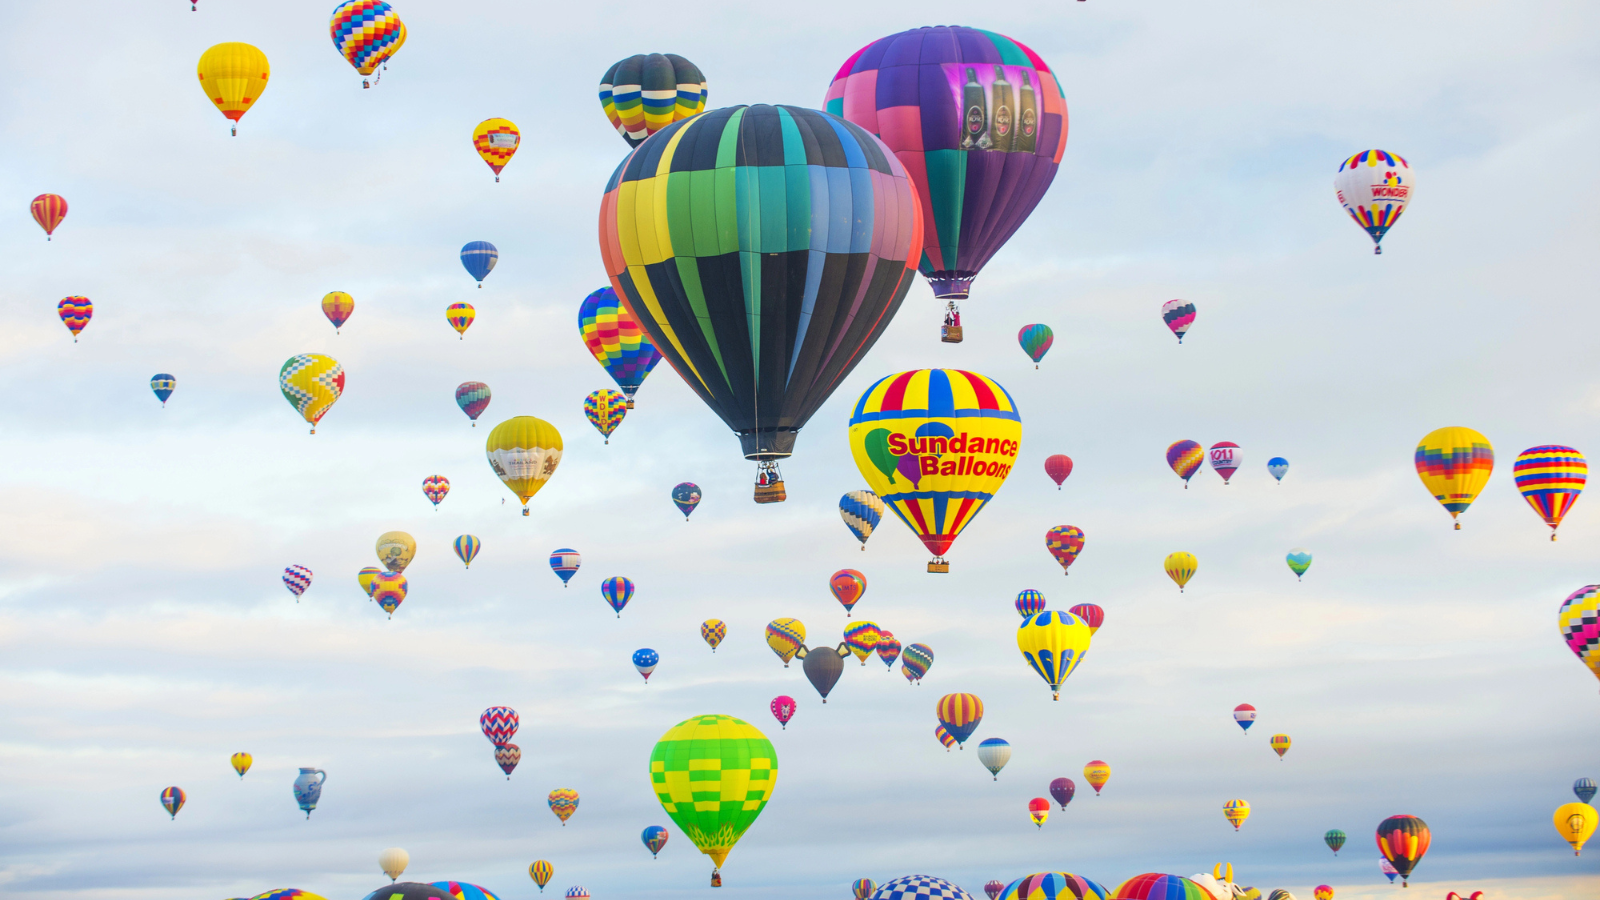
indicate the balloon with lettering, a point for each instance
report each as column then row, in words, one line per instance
column 479, row 259
column 1064, row 542
column 1225, row 458
column 496, row 141
column 233, row 75
column 311, row 383
column 395, row 550
column 649, row 91
column 654, row 837
column 1403, row 840
column 565, row 562
column 1185, row 458
column 616, row 341
column 1388, row 869
column 1036, row 341
column 1097, row 773
column 605, row 410
column 1244, row 715
column 861, row 637
column 524, row 452
column 847, row 585
column 979, row 121
column 1550, row 478
column 1179, row 315
column 1236, row 811
column 48, row 210
column 1454, row 464
column 861, row 511
column 1374, row 187
column 337, row 306
column 935, row 444
column 1579, row 621
column 1058, row 467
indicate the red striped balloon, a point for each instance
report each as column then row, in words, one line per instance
column 1403, row 840
column 48, row 210
column 1550, row 478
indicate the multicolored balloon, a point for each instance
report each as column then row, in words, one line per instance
column 1374, row 187
column 506, row 756
column 1053, row 643
column 744, row 765
column 1280, row 744
column 496, row 141
column 172, row 800
column 786, row 636
column 1236, row 811
column 563, row 802
column 1097, row 773
column 1334, row 839
column 541, row 872
column 1179, row 315
column 945, row 737
column 915, row 660
column 75, row 313
column 233, row 75
column 1064, row 542
column 473, row 398
column 1322, row 892
column 364, row 578
column 1091, row 614
column 458, row 890
column 1225, row 459
column 1058, row 467
column 1244, row 715
column 479, row 259
column 1062, row 790
column 978, row 120
column 366, row 33
column 395, row 550
column 1180, row 567
column 564, row 562
column 993, row 754
column 467, row 547
column 460, row 317
column 1038, row 809
column 435, row 488
column 297, row 579
column 686, row 496
column 1403, row 841
column 337, row 306
column 48, row 210
column 1579, row 621
column 1454, row 464
column 861, row 638
column 1029, row 602
column 1036, row 341
column 241, row 763
column 847, row 586
column 733, row 339
column 712, row 631
column 577, row 891
column 1054, row 886
column 960, row 715
column 499, row 724
column 162, row 385
column 605, row 410
column 649, row 91
column 1278, row 467
column 1388, row 869
column 861, row 511
column 1299, row 560
column 654, row 837
column 389, row 590
column 783, row 708
column 616, row 341
column 993, row 887
column 888, row 649
column 1185, row 458
column 935, row 444
column 863, row 888
column 1550, row 478
column 311, row 383
column 524, row 452
column 645, row 660
column 617, row 592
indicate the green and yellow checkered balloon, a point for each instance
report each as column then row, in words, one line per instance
column 713, row 775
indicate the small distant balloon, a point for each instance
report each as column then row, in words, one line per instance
column 241, row 762
column 1334, row 839
column 473, row 398
column 1374, row 187
column 337, row 306
column 1299, row 560
column 172, row 800
column 645, row 660
column 993, row 754
column 1058, row 467
column 1244, row 715
column 1029, row 602
column 945, row 737
column 563, row 802
column 1584, row 789
column 712, row 631
column 479, row 259
column 863, row 888
column 389, row 590
column 364, row 578
column 506, row 756
column 1038, row 809
column 617, row 592
column 311, row 383
column 861, row 511
column 1064, row 542
column 1180, row 567
column 786, row 636
column 1225, row 458
column 605, row 410
column 75, row 313
column 1280, row 744
column 1236, row 811
column 564, row 562
column 994, row 889
column 686, row 496
column 48, row 210
column 783, row 708
column 822, row 667
column 1278, row 467
column 888, row 648
column 541, row 872
column 1091, row 614
column 1062, row 790
column 496, row 141
column 467, row 547
column 297, row 579
column 847, row 586
column 915, row 660
column 460, row 317
column 960, row 715
column 435, row 488
column 1179, row 315
column 393, row 862
column 162, row 386
column 654, row 837
column 1036, row 341
column 1097, row 773
column 1550, row 478
column 1185, row 458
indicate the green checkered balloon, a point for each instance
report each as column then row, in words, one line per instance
column 713, row 775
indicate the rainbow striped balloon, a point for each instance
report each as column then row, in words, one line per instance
column 75, row 314
column 617, row 342
column 1550, row 478
column 959, row 714
column 647, row 92
column 915, row 660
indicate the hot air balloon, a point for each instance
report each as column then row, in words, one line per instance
column 75, row 313
column 863, row 888
column 645, row 661
column 786, row 637
column 1299, row 560
column 915, row 660
column 945, row 737
column 454, row 890
column 564, row 562
column 366, row 33
column 1575, row 822
column 686, row 496
column 364, row 578
column 479, row 258
column 1334, row 839
column 1278, row 467
column 389, row 590
column 861, row 638
column 241, row 763
column 1244, row 715
column 1322, row 892
column 1058, row 467
column 577, row 892
column 563, row 802
column 993, row 754
column 1062, row 790
column 435, row 488
column 649, row 91
column 1550, row 478
column 980, row 163
column 960, row 715
column 712, row 631
column 861, row 511
column 1097, row 773
column 888, row 649
column 1038, row 808
column 172, row 800
column 162, row 386
column 783, row 709
column 1374, row 188
column 712, row 756
column 460, row 316
column 1180, row 567
column 1584, row 789
column 473, row 398
column 506, row 756
column 233, row 75
column 1225, row 458
column 393, row 862
column 617, row 592
column 1064, row 542
column 496, row 141
column 935, row 444
column 847, row 585
column 1280, row 744
column 1179, row 316
column 615, row 339
column 993, row 888
column 311, row 383
column 48, row 210
column 605, row 410
column 1036, row 341
column 1029, row 602
column 1092, row 616
column 524, row 452
column 1454, row 465
column 1388, row 869
column 1579, row 621
column 823, row 666
column 541, row 872
column 764, row 349
column 307, row 788
column 654, row 837
column 297, row 579
column 1403, row 840
column 1185, row 458
column 1053, row 643
column 467, row 547
column 337, row 306
column 499, row 724
column 1236, row 811
column 395, row 550
column 1053, row 886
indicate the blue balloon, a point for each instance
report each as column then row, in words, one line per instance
column 654, row 837
column 163, row 385
column 479, row 257
column 645, row 659
column 1584, row 788
column 564, row 563
column 1278, row 466
column 860, row 517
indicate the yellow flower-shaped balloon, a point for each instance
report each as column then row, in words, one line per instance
column 1181, row 567
column 524, row 452
column 311, row 383
column 233, row 75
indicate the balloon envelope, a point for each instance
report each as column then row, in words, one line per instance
column 649, row 91
column 712, row 631
column 847, row 586
column 1064, row 542
column 524, row 452
column 1062, row 790
column 1454, row 464
column 479, row 259
column 311, row 383
column 654, row 837
column 1155, row 886
column 1403, row 840
column 337, row 306
column 395, row 550
column 565, row 562
column 745, row 769
column 1053, row 643
column 1179, row 315
column 1091, row 614
column 1579, row 621
column 1097, row 773
column 959, row 714
column 473, row 398
column 496, row 141
column 48, row 210
column 233, row 75
column 915, row 660
column 1550, row 478
column 1185, row 458
column 861, row 511
column 823, row 666
column 1277, row 467
column 1036, row 341
column 605, row 410
column 993, row 754
column 1584, row 789
column 499, row 724
column 616, row 340
column 686, row 496
column 1374, row 187
column 365, row 32
column 1053, row 886
column 467, row 547
column 1058, row 467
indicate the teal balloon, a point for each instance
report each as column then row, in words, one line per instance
column 1036, row 341
column 1299, row 560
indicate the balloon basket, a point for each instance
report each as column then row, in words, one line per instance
column 524, row 510
column 771, row 493
column 939, row 566
column 950, row 334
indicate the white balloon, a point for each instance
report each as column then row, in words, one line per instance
column 393, row 861
column 1374, row 187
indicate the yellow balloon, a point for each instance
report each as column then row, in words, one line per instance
column 233, row 75
column 1576, row 822
column 1053, row 642
column 311, row 383
column 1454, row 465
column 365, row 576
column 786, row 636
column 241, row 762
column 1181, row 567
column 395, row 551
column 496, row 141
column 524, row 452
column 1236, row 812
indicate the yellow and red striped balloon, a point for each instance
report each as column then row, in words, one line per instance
column 48, row 210
column 959, row 714
column 1550, row 478
column 1454, row 465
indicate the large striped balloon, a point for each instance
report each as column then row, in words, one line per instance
column 365, row 32
column 1454, row 464
column 935, row 444
column 960, row 715
column 764, row 249
column 1054, row 886
column 1550, row 478
column 649, row 91
column 615, row 339
column 979, row 122
column 1155, row 886
column 1403, row 840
